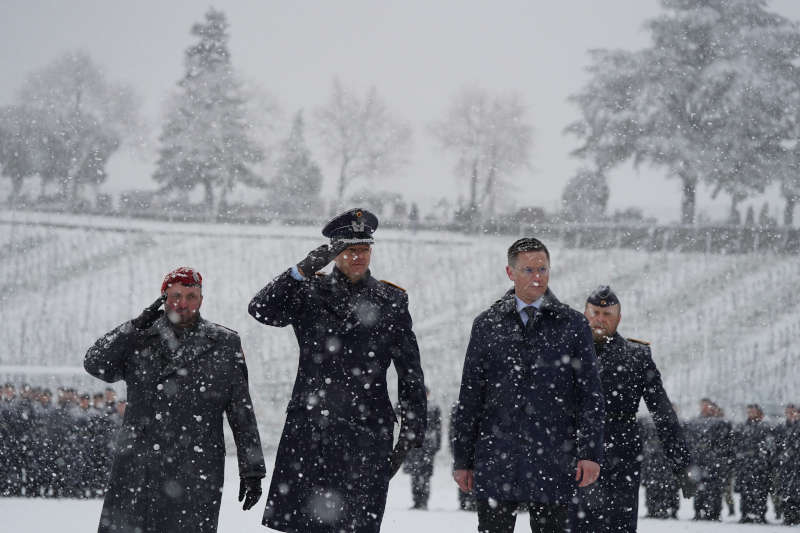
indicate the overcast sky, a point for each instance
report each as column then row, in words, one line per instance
column 416, row 53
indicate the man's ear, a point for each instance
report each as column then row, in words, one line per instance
column 509, row 271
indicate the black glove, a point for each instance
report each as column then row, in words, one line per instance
column 400, row 451
column 688, row 485
column 397, row 458
column 150, row 314
column 319, row 257
column 249, row 491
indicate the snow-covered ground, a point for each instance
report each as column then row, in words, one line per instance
column 79, row 516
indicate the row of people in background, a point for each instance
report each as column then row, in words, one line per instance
column 66, row 398
column 61, row 448
column 753, row 458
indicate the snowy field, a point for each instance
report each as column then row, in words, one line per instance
column 722, row 326
column 76, row 516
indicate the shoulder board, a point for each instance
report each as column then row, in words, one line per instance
column 637, row 341
column 393, row 285
column 320, row 274
column 223, row 329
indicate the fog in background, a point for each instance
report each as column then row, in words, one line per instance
column 417, row 54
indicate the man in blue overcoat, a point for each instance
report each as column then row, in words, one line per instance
column 335, row 456
column 529, row 423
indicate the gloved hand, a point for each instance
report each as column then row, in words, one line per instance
column 319, row 257
column 404, row 443
column 249, row 491
column 398, row 457
column 150, row 314
column 688, row 485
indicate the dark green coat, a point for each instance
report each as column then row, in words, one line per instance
column 168, row 472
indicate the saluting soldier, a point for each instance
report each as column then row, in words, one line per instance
column 182, row 373
column 335, row 455
column 628, row 374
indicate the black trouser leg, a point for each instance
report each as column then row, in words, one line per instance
column 420, row 489
column 548, row 518
column 496, row 517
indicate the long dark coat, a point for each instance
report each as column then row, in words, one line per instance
column 628, row 374
column 754, row 446
column 711, row 446
column 332, row 468
column 787, row 479
column 530, row 406
column 168, row 472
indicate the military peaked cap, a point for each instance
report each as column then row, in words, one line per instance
column 602, row 296
column 352, row 227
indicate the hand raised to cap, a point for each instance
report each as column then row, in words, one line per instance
column 319, row 257
column 150, row 314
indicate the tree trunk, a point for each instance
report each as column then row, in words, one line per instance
column 342, row 179
column 689, row 188
column 209, row 197
column 16, row 189
column 473, row 187
column 788, row 212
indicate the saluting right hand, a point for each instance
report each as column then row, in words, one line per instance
column 150, row 314
column 318, row 258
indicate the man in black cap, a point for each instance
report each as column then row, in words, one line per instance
column 628, row 374
column 335, row 456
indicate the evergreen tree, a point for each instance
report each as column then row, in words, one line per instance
column 585, row 196
column 297, row 183
column 205, row 139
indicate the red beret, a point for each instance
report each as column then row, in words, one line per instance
column 183, row 275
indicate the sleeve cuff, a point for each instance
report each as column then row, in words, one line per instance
column 295, row 273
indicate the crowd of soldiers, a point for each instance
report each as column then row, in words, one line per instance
column 754, row 459
column 64, row 448
column 53, row 448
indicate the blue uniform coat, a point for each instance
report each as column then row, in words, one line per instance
column 332, row 469
column 530, row 405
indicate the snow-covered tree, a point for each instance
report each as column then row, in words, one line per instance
column 707, row 101
column 585, row 196
column 360, row 136
column 297, row 183
column 205, row 138
column 491, row 138
column 19, row 146
column 68, row 123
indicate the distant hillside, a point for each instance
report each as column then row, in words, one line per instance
column 720, row 325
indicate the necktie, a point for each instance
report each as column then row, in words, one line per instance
column 531, row 312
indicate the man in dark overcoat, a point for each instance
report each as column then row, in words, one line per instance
column 529, row 428
column 787, row 478
column 419, row 461
column 182, row 374
column 710, row 439
column 628, row 374
column 335, row 456
column 754, row 445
